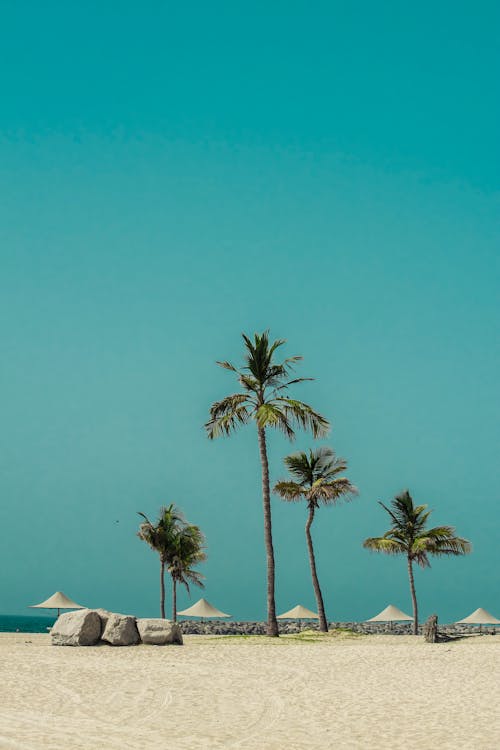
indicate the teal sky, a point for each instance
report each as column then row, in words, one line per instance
column 173, row 174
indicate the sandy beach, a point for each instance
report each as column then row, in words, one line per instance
column 344, row 692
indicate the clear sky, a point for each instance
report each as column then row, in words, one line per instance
column 173, row 174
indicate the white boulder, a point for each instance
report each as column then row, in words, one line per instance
column 120, row 630
column 79, row 628
column 158, row 632
column 104, row 614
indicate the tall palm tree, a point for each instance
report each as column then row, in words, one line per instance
column 316, row 480
column 187, row 551
column 409, row 536
column 160, row 536
column 264, row 382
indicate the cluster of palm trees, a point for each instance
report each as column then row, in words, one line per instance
column 264, row 399
column 316, row 476
column 180, row 546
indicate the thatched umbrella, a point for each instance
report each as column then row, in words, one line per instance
column 57, row 601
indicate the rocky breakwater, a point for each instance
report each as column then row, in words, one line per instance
column 93, row 627
column 217, row 627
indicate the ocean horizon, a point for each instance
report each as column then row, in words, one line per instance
column 25, row 623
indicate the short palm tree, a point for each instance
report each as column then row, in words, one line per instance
column 160, row 536
column 316, row 480
column 264, row 383
column 187, row 551
column 409, row 536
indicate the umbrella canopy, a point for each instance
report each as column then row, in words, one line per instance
column 298, row 613
column 480, row 617
column 202, row 608
column 390, row 614
column 57, row 601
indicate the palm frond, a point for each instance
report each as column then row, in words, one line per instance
column 382, row 544
column 447, row 544
column 305, row 416
column 227, row 405
column 290, row 491
column 275, row 345
column 226, row 366
column 258, row 357
column 270, row 415
column 228, row 423
column 226, row 415
column 440, row 533
column 146, row 519
column 328, row 465
column 328, row 492
column 421, row 559
column 299, row 465
column 249, row 382
column 397, row 521
column 284, row 386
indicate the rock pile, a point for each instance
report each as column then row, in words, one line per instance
column 217, row 627
column 92, row 627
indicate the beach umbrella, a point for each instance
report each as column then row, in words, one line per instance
column 479, row 617
column 57, row 601
column 298, row 613
column 203, row 609
column 390, row 614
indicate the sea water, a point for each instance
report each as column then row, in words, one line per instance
column 25, row 623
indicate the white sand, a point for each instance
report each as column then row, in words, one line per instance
column 378, row 692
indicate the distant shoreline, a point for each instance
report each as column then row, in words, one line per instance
column 41, row 623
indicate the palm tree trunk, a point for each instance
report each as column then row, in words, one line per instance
column 323, row 625
column 272, row 623
column 162, row 589
column 413, row 597
column 174, row 600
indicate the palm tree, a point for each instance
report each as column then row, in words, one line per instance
column 316, row 480
column 409, row 536
column 264, row 383
column 187, row 551
column 160, row 537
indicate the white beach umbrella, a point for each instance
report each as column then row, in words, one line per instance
column 298, row 613
column 203, row 609
column 58, row 601
column 390, row 614
column 479, row 617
